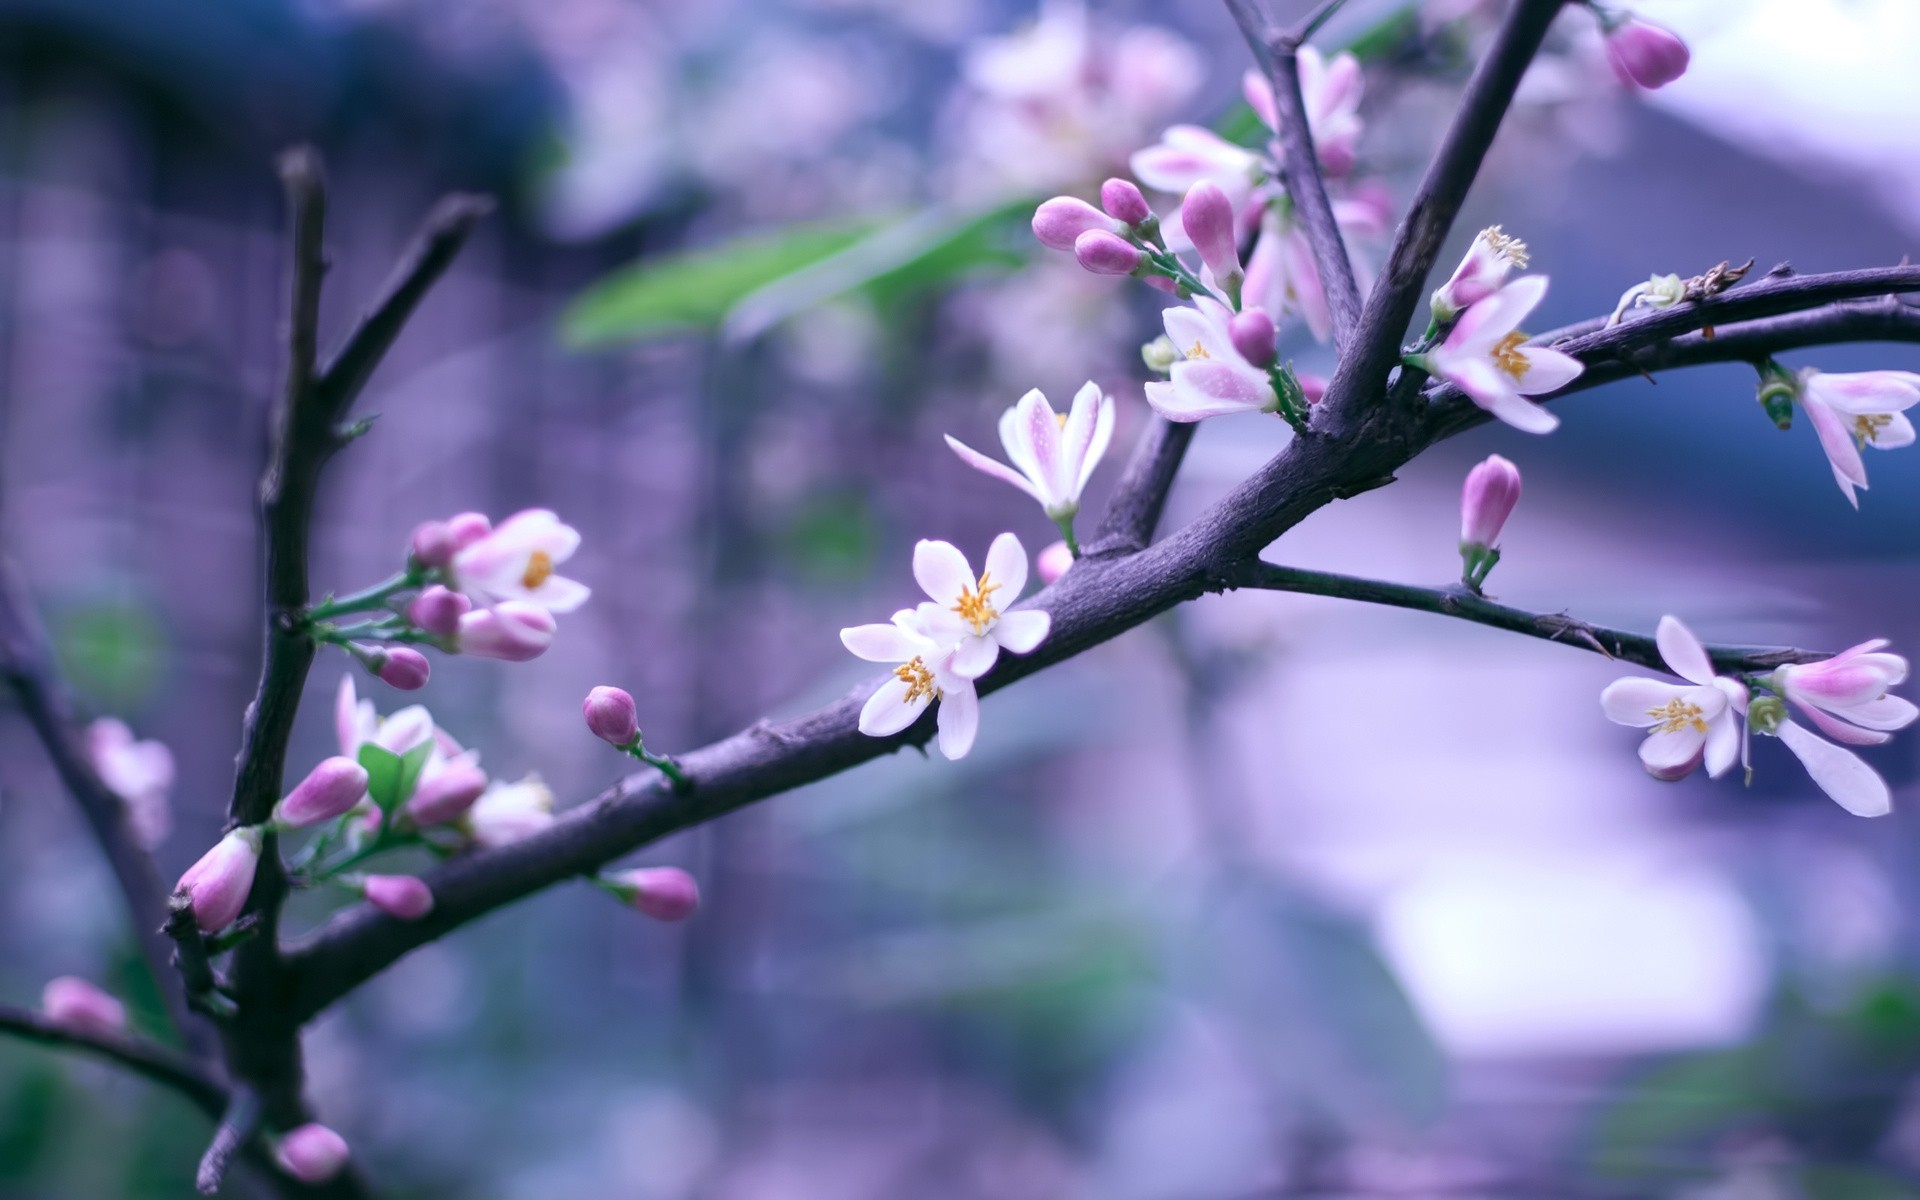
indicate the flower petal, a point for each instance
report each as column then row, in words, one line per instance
column 1840, row 730
column 1259, row 94
column 941, row 570
column 1492, row 389
column 888, row 710
column 1206, row 381
column 882, row 643
column 558, row 594
column 1189, row 327
column 1487, row 321
column 1886, row 712
column 1841, row 774
column 974, row 656
column 1102, row 435
column 1633, row 700
column 1897, row 432
column 990, row 466
column 1021, row 631
column 1838, row 443
column 1007, row 566
column 1547, row 371
column 1666, row 754
column 1016, row 440
column 1682, row 651
column 1040, row 430
column 959, row 721
column 1723, row 744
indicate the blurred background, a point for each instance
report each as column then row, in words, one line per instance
column 1273, row 896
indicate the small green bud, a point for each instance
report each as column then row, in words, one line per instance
column 1779, row 389
column 1764, row 714
column 1160, row 355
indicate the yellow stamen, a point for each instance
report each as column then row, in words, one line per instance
column 1060, row 419
column 1675, row 715
column 1508, row 358
column 1867, row 428
column 974, row 608
column 919, row 680
column 539, row 566
column 1503, row 246
column 1197, row 350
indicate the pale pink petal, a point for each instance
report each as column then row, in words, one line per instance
column 959, row 721
column 974, row 656
column 1492, row 389
column 1887, row 712
column 1682, row 651
column 1021, row 631
column 1634, row 700
column 1007, row 566
column 1865, row 393
column 1665, row 753
column 1185, row 407
column 888, row 710
column 1896, row 433
column 1837, row 441
column 1037, row 429
column 1187, row 328
column 1102, row 435
column 1723, row 744
column 991, row 466
column 1259, row 94
column 558, row 594
column 1309, row 297
column 941, row 570
column 1840, row 730
column 1486, row 322
column 346, row 717
column 882, row 643
column 1841, row 774
column 1203, row 381
column 1547, row 371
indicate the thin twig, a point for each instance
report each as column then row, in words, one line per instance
column 29, row 672
column 164, row 1066
column 238, row 1125
column 1458, row 602
column 1278, row 55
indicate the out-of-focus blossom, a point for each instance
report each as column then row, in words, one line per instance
column 612, row 716
column 402, row 667
column 218, row 884
column 432, row 544
column 663, row 893
column 311, row 1153
column 449, row 780
column 1480, row 273
column 1282, row 277
column 1846, row 695
column 139, row 772
column 517, row 561
column 1853, row 411
column 449, row 784
column 80, row 1006
column 1641, row 53
column 468, row 528
column 925, row 674
column 1208, row 218
column 1659, row 291
column 330, row 789
column 1487, row 500
column 1106, row 253
column 511, row 631
column 438, row 610
column 401, row 896
column 1063, row 101
column 1486, row 356
column 1053, row 454
column 1686, row 723
column 964, row 613
column 510, row 812
column 1053, row 561
column 1330, row 92
column 1212, row 378
column 1189, row 154
column 356, row 723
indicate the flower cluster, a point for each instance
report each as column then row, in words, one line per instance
column 1706, row 719
column 948, row 641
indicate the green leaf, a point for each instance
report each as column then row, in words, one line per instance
column 384, row 772
column 411, row 764
column 695, row 289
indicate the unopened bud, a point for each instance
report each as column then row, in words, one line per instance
column 329, row 790
column 400, row 896
column 468, row 528
column 1252, row 335
column 218, row 884
column 1123, row 201
column 663, row 893
column 1487, row 499
column 1059, row 222
column 311, row 1153
column 79, row 1005
column 612, row 716
column 1644, row 54
column 1054, row 561
column 1106, row 253
column 432, row 544
column 438, row 610
column 445, row 795
column 1207, row 215
column 1779, row 388
column 405, row 668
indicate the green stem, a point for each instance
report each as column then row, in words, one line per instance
column 367, row 598
column 1066, row 531
column 664, row 764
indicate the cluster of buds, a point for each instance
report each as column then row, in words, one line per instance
column 1706, row 719
column 947, row 642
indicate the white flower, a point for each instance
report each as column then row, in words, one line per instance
column 1686, row 723
column 1330, row 92
column 1853, row 411
column 509, row 812
column 1053, row 454
column 1486, row 356
column 1480, row 273
column 516, row 561
column 1846, row 696
column 925, row 674
column 964, row 613
column 1282, row 277
column 356, row 723
column 1213, row 378
column 139, row 772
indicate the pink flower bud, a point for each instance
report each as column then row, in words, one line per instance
column 1054, row 561
column 1313, row 387
column 329, row 790
column 1123, row 202
column 400, row 896
column 1106, row 253
column 1059, row 222
column 1252, row 333
column 445, row 795
column 311, row 1153
column 512, row 631
column 1207, row 216
column 1645, row 54
column 612, row 717
column 405, row 668
column 432, row 544
column 663, row 893
column 468, row 528
column 218, row 884
column 1487, row 500
column 438, row 610
column 78, row 1005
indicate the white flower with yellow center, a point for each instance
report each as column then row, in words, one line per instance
column 1853, row 411
column 1687, row 723
column 517, row 561
column 924, row 675
column 968, row 614
column 1486, row 356
column 1212, row 378
column 1053, row 454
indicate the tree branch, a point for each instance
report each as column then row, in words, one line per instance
column 1141, row 495
column 239, row 1123
column 1277, row 52
column 29, row 672
column 1458, row 602
column 150, row 1059
column 1358, row 381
